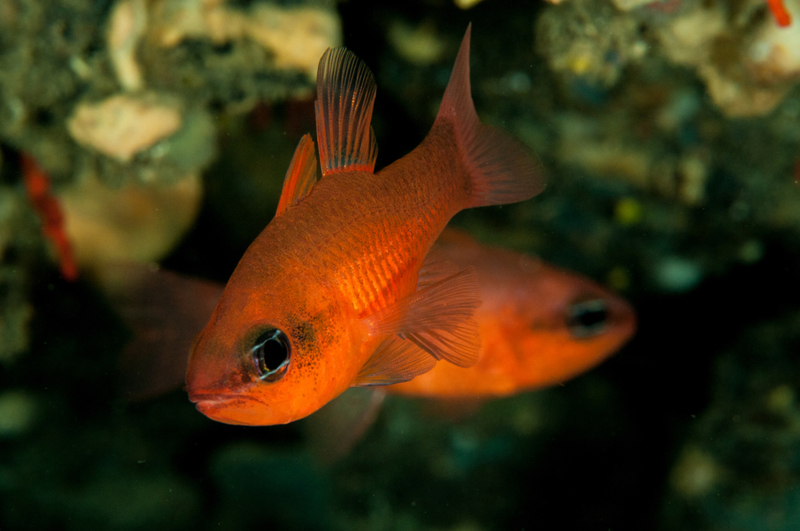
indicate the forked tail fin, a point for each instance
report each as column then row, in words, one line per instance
column 501, row 170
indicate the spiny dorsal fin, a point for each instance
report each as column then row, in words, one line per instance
column 438, row 318
column 345, row 96
column 301, row 175
column 395, row 360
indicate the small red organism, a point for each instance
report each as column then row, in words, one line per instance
column 665, row 6
column 37, row 185
column 782, row 16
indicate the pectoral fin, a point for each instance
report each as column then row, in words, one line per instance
column 438, row 318
column 434, row 268
column 395, row 360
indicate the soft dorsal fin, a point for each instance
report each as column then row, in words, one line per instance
column 395, row 360
column 345, row 96
column 438, row 318
column 301, row 175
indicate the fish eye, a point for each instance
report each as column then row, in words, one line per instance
column 271, row 354
column 587, row 318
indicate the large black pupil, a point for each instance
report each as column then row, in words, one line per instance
column 273, row 353
column 588, row 318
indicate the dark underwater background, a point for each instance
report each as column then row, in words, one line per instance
column 673, row 166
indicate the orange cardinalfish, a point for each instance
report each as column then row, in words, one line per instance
column 337, row 291
column 539, row 325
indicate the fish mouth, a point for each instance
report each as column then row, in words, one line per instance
column 213, row 404
column 215, row 397
column 228, row 408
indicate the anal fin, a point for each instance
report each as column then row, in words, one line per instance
column 345, row 97
column 438, row 318
column 301, row 175
column 335, row 429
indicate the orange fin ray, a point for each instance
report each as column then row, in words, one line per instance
column 438, row 318
column 501, row 170
column 345, row 98
column 395, row 360
column 434, row 268
column 301, row 175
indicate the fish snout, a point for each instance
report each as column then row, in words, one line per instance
column 623, row 318
column 210, row 374
column 241, row 410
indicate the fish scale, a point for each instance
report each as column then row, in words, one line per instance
column 344, row 224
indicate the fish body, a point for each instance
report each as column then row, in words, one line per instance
column 539, row 325
column 340, row 290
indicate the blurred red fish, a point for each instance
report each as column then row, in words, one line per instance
column 339, row 290
column 539, row 325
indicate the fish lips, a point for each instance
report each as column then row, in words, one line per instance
column 229, row 408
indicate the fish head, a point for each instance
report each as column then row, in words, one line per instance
column 576, row 325
column 271, row 356
column 597, row 320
